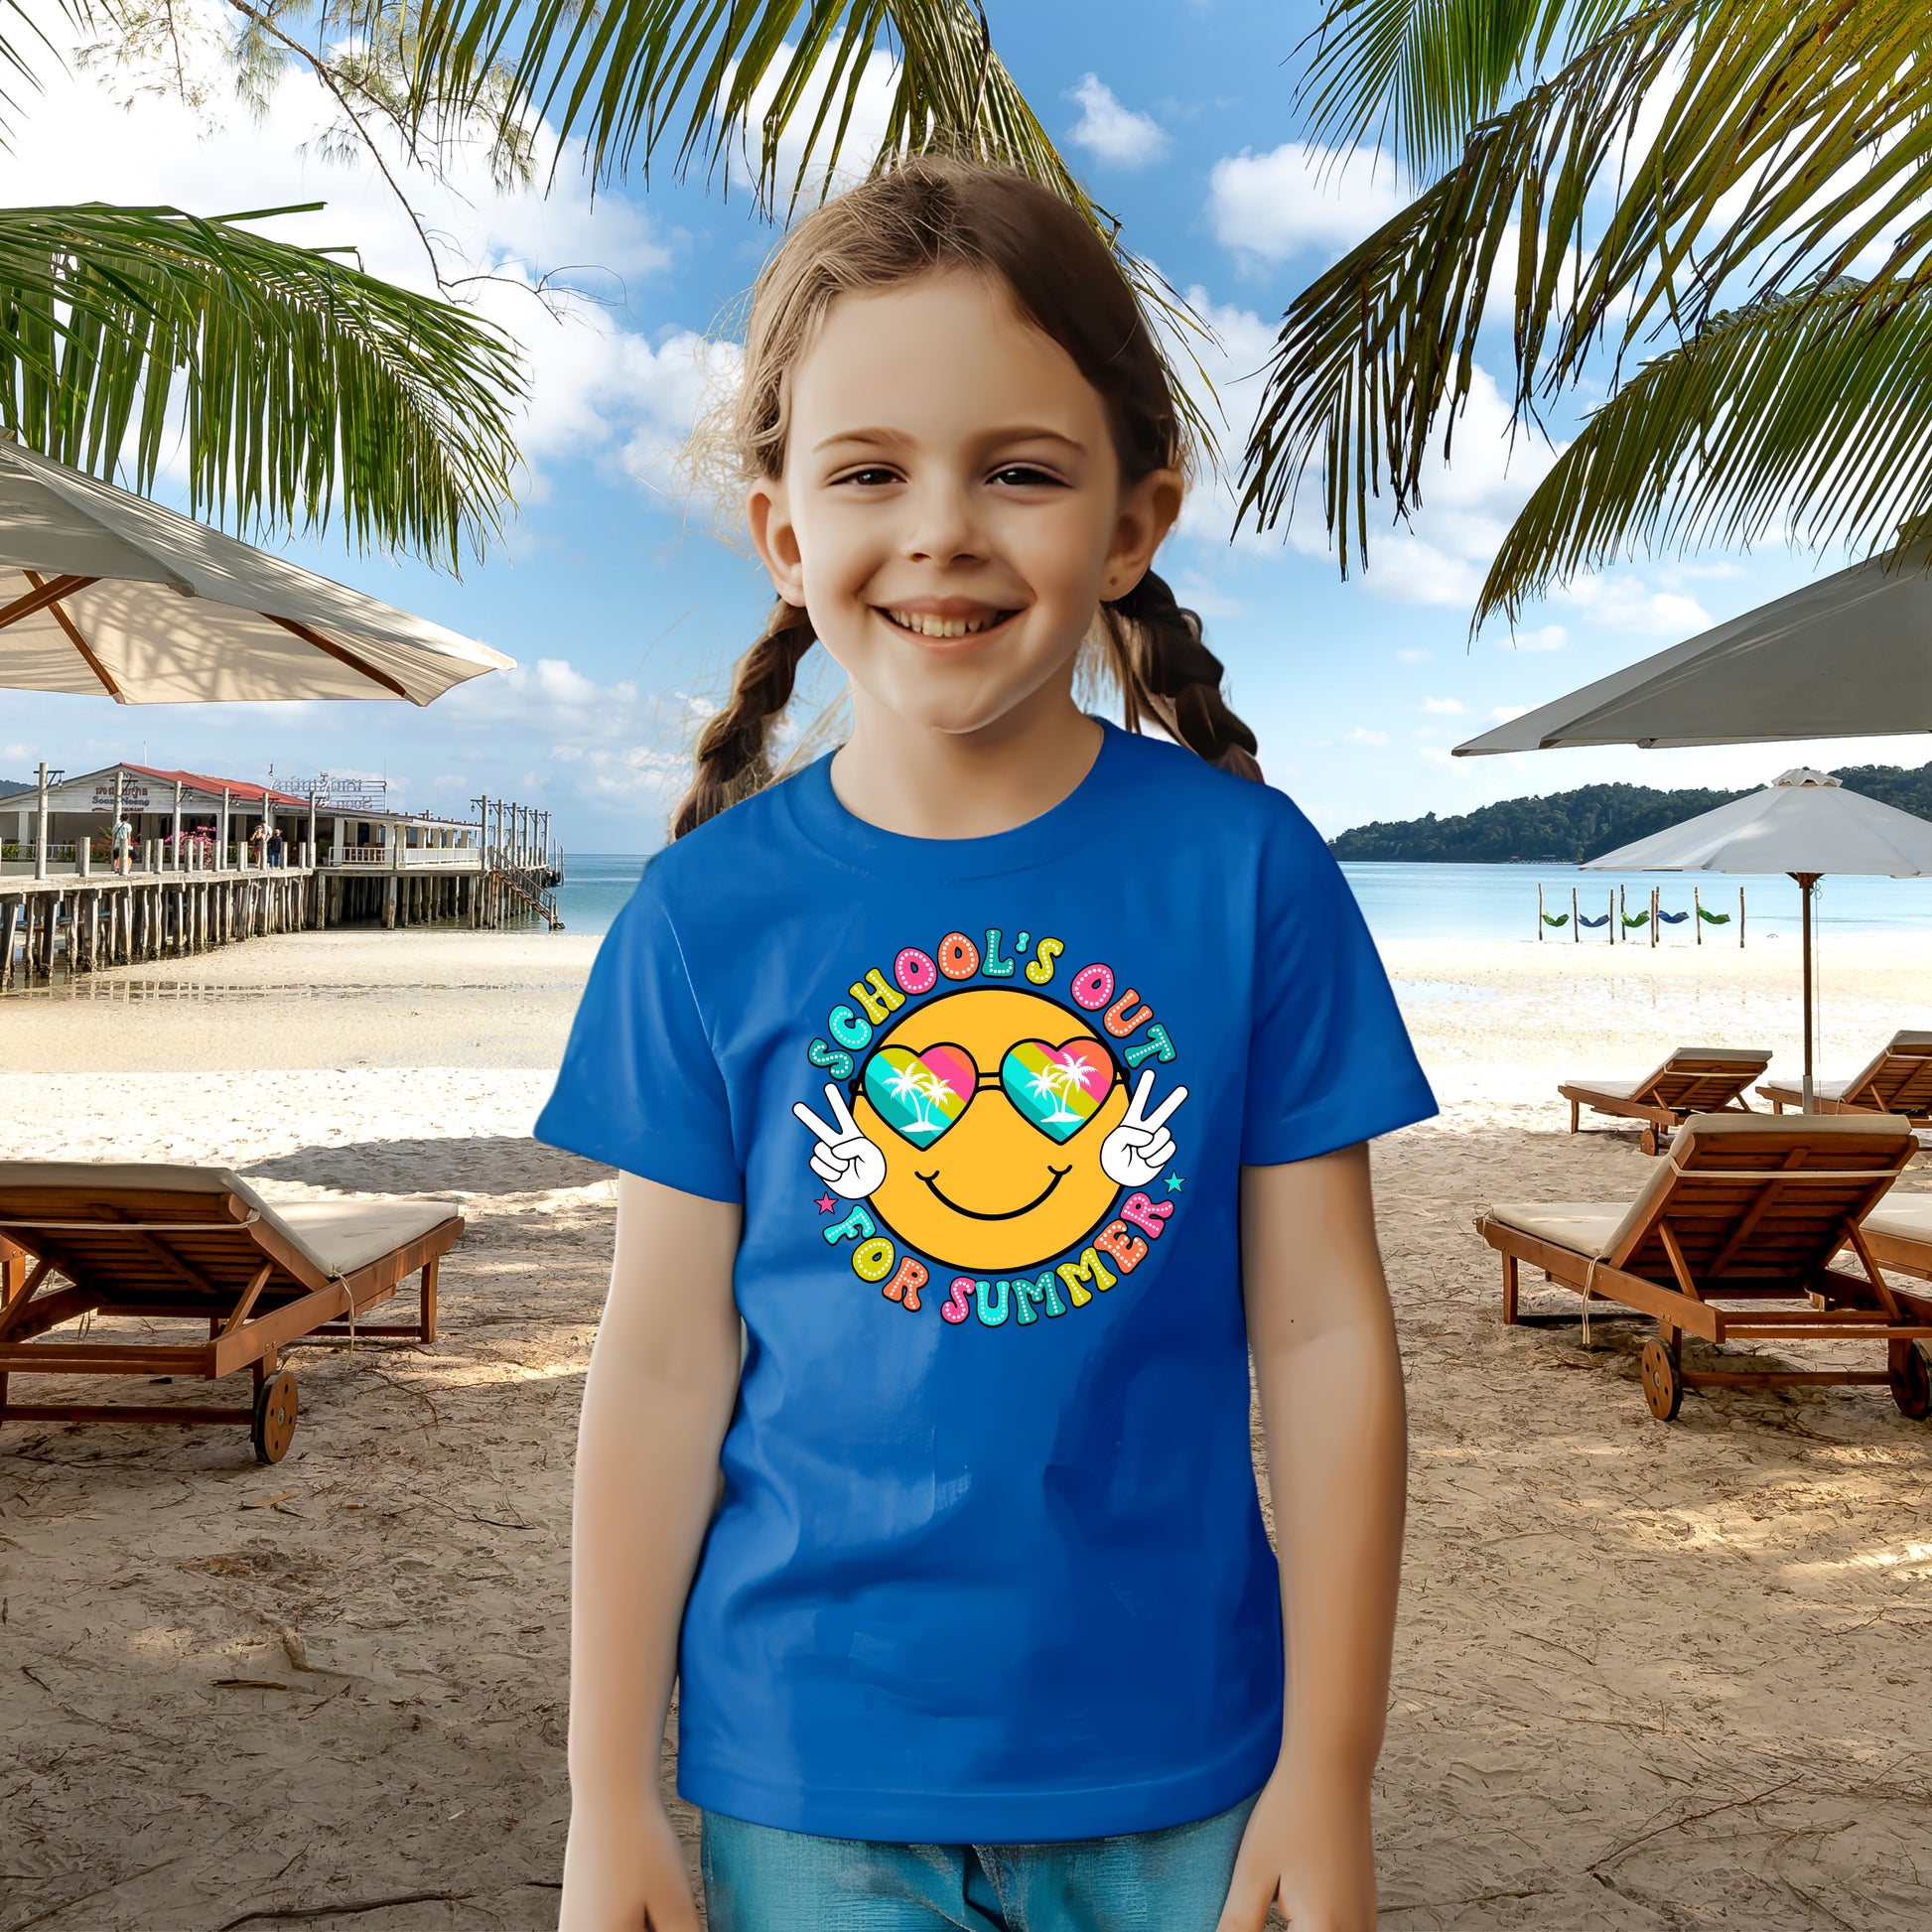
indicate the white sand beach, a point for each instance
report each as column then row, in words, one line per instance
column 1647, row 1675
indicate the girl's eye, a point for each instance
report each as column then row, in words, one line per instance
column 1024, row 476
column 872, row 477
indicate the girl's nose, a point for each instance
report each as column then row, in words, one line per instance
column 941, row 527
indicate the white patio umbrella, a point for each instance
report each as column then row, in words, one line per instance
column 104, row 591
column 1806, row 824
column 1847, row 656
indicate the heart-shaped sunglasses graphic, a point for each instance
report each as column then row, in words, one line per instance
column 1056, row 1089
column 920, row 1095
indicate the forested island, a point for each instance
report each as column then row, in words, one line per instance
column 1570, row 827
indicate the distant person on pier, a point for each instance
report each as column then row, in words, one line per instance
column 121, row 837
column 258, row 844
column 277, row 849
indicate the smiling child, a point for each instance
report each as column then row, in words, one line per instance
column 1006, row 1075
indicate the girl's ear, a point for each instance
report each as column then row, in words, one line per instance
column 1148, row 510
column 767, row 511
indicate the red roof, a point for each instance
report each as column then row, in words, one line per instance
column 242, row 790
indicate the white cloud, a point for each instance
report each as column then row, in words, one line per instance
column 1546, row 636
column 602, row 743
column 1625, row 602
column 872, row 111
column 1111, row 132
column 1298, row 196
column 1414, row 656
column 1361, row 735
column 1445, row 707
column 1503, row 712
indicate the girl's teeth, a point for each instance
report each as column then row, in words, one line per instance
column 926, row 626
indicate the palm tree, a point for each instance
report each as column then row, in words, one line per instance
column 637, row 79
column 295, row 389
column 1732, row 189
column 299, row 388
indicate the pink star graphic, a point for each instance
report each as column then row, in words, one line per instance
column 826, row 1203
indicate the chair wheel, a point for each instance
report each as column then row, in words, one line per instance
column 1911, row 1380
column 1647, row 1140
column 1663, row 1381
column 276, row 1406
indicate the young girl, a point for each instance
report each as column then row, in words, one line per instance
column 1006, row 1074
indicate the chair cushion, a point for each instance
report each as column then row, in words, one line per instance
column 1903, row 1217
column 341, row 1236
column 337, row 1236
column 1611, row 1089
column 1584, row 1228
column 1794, row 1090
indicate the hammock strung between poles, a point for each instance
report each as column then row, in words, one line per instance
column 1556, row 919
column 1631, row 920
column 1709, row 918
column 1672, row 918
column 1592, row 923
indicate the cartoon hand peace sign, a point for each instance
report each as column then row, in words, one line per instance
column 1141, row 1146
column 846, row 1163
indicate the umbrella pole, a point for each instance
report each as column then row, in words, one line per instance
column 1806, row 880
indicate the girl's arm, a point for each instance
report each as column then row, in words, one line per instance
column 1330, row 1384
column 657, row 1400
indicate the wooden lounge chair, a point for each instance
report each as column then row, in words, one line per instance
column 197, row 1244
column 1897, row 1081
column 1731, row 1240
column 1693, row 1080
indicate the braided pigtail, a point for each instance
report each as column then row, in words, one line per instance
column 1165, row 672
column 733, row 762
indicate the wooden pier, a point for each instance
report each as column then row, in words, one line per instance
column 78, row 915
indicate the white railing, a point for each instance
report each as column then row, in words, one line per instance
column 405, row 858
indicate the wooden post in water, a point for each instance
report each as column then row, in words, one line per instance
column 1655, row 896
column 1575, row 919
column 1539, row 912
column 1740, row 919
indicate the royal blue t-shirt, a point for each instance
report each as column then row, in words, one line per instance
column 989, row 1563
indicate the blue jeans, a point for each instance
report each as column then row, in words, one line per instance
column 759, row 1879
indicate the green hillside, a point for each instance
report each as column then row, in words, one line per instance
column 1569, row 827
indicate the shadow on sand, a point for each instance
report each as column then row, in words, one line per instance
column 485, row 1163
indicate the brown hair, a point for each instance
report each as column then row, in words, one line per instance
column 923, row 217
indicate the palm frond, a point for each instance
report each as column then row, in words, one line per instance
column 1414, row 75
column 1800, row 414
column 295, row 388
column 632, row 79
column 1791, row 136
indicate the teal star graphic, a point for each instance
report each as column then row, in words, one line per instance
column 1176, row 1182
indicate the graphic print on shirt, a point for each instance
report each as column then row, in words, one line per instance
column 985, row 1135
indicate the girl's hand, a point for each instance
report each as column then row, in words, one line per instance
column 625, row 1875
column 1311, row 1848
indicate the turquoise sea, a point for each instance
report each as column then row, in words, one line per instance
column 1476, row 901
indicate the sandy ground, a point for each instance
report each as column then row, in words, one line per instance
column 1646, row 1676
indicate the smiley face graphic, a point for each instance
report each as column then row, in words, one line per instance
column 991, row 1109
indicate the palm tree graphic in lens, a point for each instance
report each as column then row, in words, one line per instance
column 921, row 1087
column 1055, row 1080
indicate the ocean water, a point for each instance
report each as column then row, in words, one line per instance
column 1448, row 901
column 1478, row 901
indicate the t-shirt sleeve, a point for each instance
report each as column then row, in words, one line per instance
column 1329, row 1061
column 641, row 1087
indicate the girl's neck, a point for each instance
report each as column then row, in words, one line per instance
column 926, row 783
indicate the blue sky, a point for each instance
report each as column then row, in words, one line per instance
column 626, row 605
